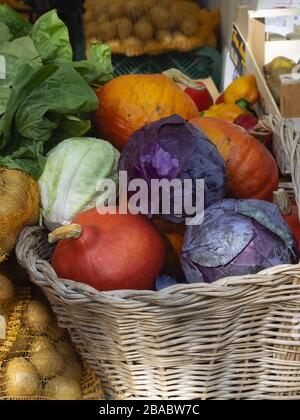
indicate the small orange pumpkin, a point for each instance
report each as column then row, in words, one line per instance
column 129, row 102
column 174, row 232
column 252, row 170
column 174, row 236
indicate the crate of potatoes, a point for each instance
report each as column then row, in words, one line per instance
column 151, row 26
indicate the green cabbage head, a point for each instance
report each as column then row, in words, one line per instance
column 69, row 183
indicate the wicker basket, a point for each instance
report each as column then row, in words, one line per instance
column 236, row 339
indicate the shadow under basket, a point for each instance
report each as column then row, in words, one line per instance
column 236, row 339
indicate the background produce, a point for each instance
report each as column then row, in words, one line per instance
column 174, row 149
column 19, row 207
column 37, row 359
column 150, row 26
column 243, row 88
column 237, row 237
column 44, row 92
column 252, row 170
column 110, row 251
column 71, row 179
column 129, row 102
column 278, row 67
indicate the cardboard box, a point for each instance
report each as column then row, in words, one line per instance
column 265, row 51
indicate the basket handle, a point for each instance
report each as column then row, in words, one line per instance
column 290, row 138
column 28, row 257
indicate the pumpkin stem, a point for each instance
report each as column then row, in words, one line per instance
column 65, row 232
column 181, row 78
column 282, row 200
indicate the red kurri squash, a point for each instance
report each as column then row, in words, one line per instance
column 289, row 212
column 251, row 169
column 128, row 103
column 109, row 252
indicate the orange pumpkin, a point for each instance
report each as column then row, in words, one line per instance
column 129, row 102
column 174, row 232
column 252, row 170
column 174, row 236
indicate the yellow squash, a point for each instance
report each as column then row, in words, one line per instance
column 19, row 207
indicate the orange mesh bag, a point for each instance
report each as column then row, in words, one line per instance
column 38, row 361
column 139, row 27
column 19, row 206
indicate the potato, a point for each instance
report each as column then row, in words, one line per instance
column 144, row 30
column 124, row 27
column 21, row 343
column 107, row 31
column 161, row 18
column 55, row 333
column 7, row 289
column 132, row 45
column 73, row 370
column 20, row 379
column 189, row 27
column 114, row 9
column 63, row 389
column 48, row 362
column 102, row 18
column 133, row 9
column 67, row 349
column 164, row 36
column 40, row 343
column 37, row 317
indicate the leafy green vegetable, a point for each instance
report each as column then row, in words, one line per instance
column 98, row 69
column 16, row 24
column 12, row 56
column 40, row 100
column 5, row 34
column 43, row 93
column 21, row 48
column 51, row 39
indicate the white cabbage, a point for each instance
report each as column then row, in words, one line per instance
column 71, row 176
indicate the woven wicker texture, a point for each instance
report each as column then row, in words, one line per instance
column 287, row 148
column 29, row 354
column 237, row 339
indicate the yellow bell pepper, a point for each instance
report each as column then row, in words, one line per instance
column 228, row 112
column 209, row 113
column 243, row 88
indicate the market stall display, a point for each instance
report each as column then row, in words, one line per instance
column 134, row 290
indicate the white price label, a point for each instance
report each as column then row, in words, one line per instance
column 2, row 68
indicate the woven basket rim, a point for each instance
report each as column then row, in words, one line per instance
column 75, row 292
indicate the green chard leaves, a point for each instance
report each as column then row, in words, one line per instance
column 43, row 93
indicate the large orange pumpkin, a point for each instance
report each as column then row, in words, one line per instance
column 129, row 102
column 252, row 170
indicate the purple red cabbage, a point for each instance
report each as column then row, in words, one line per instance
column 174, row 149
column 236, row 238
